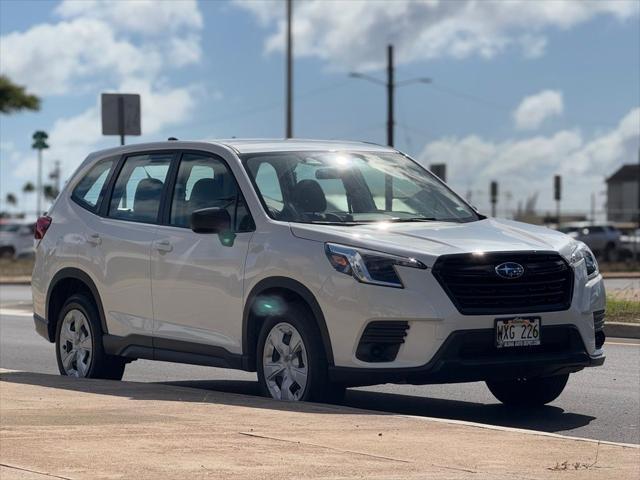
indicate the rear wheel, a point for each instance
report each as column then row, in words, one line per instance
column 529, row 391
column 291, row 360
column 79, row 349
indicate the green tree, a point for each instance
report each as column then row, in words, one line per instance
column 14, row 98
column 11, row 199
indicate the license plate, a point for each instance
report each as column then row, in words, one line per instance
column 517, row 332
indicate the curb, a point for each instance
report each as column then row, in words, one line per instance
column 16, row 280
column 622, row 330
column 621, row 275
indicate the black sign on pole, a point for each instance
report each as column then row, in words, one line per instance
column 494, row 197
column 439, row 170
column 121, row 114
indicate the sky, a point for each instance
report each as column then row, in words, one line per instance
column 520, row 89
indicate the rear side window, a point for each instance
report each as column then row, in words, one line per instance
column 138, row 190
column 204, row 181
column 89, row 191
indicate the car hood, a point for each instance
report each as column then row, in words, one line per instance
column 428, row 240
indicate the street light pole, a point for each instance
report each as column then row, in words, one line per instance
column 289, row 93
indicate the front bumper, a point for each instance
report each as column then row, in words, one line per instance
column 470, row 355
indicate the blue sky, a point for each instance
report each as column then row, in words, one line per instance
column 521, row 90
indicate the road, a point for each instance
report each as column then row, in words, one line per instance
column 599, row 403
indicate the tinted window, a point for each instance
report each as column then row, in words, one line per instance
column 204, row 181
column 138, row 189
column 90, row 189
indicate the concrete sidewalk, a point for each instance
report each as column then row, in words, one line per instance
column 66, row 428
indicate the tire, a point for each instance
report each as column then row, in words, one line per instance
column 79, row 330
column 279, row 375
column 529, row 392
column 7, row 252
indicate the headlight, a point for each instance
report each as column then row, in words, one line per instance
column 368, row 266
column 581, row 252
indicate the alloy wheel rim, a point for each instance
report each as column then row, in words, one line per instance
column 76, row 348
column 284, row 363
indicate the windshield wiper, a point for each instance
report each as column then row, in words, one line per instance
column 414, row 219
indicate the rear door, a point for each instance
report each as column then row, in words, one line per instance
column 116, row 247
column 197, row 279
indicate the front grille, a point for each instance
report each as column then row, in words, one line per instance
column 381, row 340
column 472, row 284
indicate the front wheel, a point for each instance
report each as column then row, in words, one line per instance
column 292, row 364
column 79, row 349
column 529, row 391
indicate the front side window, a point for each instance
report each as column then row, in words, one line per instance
column 90, row 189
column 138, row 189
column 353, row 187
column 204, row 181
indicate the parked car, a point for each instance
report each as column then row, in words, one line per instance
column 603, row 240
column 16, row 238
column 630, row 245
column 320, row 265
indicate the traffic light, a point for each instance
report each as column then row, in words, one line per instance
column 557, row 188
column 494, row 197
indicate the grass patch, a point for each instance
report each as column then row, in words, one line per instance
column 622, row 310
column 16, row 268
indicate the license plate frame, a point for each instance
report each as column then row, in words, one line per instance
column 517, row 332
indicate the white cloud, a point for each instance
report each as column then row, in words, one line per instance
column 353, row 34
column 524, row 167
column 102, row 42
column 535, row 109
column 147, row 17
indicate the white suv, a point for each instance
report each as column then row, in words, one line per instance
column 320, row 265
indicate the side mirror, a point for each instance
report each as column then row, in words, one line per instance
column 210, row 220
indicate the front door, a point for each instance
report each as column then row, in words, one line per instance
column 197, row 279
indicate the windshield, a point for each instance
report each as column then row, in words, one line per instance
column 351, row 188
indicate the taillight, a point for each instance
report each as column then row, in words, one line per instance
column 42, row 225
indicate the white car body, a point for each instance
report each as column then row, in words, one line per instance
column 169, row 293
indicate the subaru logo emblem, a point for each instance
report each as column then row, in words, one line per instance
column 510, row 270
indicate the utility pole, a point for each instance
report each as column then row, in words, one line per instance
column 390, row 94
column 390, row 85
column 39, row 144
column 289, row 93
column 55, row 175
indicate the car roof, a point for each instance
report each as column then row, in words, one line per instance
column 253, row 145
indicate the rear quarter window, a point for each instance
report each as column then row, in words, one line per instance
column 89, row 191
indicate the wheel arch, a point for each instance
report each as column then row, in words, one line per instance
column 66, row 282
column 290, row 289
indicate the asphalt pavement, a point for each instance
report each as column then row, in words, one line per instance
column 599, row 403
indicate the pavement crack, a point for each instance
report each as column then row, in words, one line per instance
column 45, row 474
column 373, row 455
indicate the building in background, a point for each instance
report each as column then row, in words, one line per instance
column 622, row 194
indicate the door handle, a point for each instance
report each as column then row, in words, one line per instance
column 163, row 246
column 94, row 239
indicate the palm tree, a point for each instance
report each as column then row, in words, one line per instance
column 50, row 192
column 14, row 98
column 11, row 199
column 26, row 190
